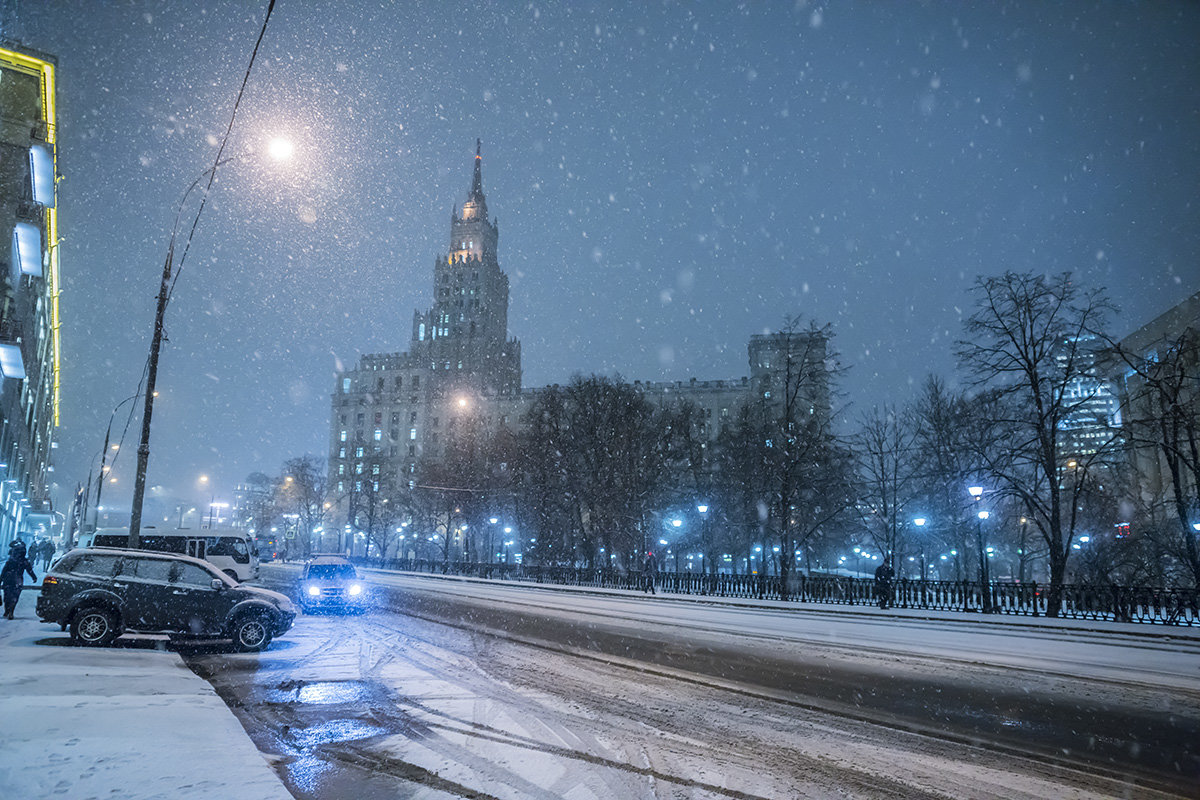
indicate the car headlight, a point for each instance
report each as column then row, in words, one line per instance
column 355, row 588
column 313, row 591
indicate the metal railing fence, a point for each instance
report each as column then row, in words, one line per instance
column 1141, row 604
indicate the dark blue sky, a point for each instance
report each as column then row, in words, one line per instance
column 667, row 181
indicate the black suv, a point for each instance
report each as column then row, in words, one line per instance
column 102, row 592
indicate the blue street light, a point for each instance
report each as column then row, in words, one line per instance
column 977, row 493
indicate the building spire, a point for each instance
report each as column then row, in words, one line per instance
column 477, row 183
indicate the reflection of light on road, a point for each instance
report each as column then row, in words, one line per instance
column 309, row 771
column 319, row 693
column 323, row 693
column 335, row 730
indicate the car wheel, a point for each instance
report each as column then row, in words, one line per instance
column 232, row 575
column 94, row 627
column 251, row 633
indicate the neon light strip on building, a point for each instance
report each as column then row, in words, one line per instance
column 45, row 71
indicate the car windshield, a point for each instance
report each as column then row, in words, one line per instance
column 729, row 399
column 331, row 571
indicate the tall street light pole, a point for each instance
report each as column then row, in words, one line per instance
column 104, row 454
column 160, row 312
column 920, row 523
column 164, row 293
column 984, row 585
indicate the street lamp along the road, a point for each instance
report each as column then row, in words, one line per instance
column 165, row 290
column 164, row 295
column 104, row 457
column 984, row 587
column 920, row 523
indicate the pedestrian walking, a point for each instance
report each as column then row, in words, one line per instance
column 48, row 550
column 883, row 584
column 649, row 572
column 12, row 575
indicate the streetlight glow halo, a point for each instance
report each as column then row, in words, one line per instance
column 280, row 148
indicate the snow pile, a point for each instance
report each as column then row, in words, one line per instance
column 129, row 721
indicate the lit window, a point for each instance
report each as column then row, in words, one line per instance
column 421, row 332
column 378, row 435
column 27, row 248
column 11, row 362
column 345, row 385
column 412, row 433
column 342, row 436
column 41, row 173
column 358, row 452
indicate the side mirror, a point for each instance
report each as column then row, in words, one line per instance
column 217, row 584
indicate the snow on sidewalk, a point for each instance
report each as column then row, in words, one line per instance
column 128, row 721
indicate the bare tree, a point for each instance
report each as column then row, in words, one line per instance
column 887, row 474
column 794, row 472
column 606, row 448
column 1031, row 343
column 544, row 481
column 302, row 492
column 1162, row 423
column 260, row 503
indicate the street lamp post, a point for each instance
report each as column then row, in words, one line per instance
column 920, row 523
column 984, row 583
column 104, row 453
column 164, row 296
column 705, row 535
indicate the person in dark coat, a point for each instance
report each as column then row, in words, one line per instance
column 649, row 572
column 47, row 553
column 12, row 575
column 883, row 584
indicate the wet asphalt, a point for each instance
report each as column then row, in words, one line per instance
column 312, row 728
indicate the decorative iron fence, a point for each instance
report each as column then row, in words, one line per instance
column 1142, row 604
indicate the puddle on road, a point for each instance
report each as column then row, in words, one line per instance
column 320, row 693
column 332, row 731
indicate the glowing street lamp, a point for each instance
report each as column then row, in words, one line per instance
column 984, row 582
column 164, row 295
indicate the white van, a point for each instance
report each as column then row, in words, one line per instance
column 231, row 551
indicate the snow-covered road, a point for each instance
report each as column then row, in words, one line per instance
column 464, row 688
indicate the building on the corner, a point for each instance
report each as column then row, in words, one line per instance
column 30, row 352
column 393, row 414
column 1167, row 348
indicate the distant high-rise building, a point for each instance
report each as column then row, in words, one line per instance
column 1093, row 422
column 29, row 288
column 393, row 415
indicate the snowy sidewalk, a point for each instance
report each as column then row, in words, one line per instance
column 128, row 721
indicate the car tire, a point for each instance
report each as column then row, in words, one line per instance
column 251, row 633
column 232, row 575
column 94, row 626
